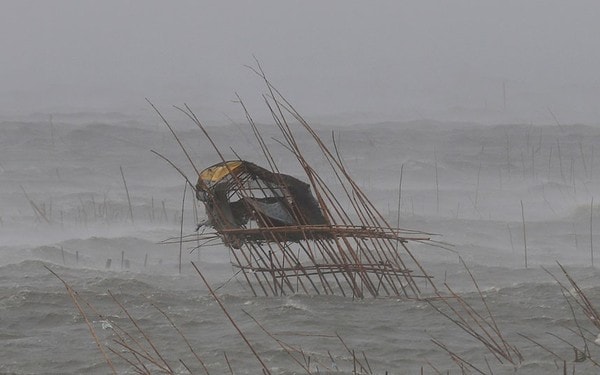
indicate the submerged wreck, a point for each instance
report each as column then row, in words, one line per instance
column 288, row 235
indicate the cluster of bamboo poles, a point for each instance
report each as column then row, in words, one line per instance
column 355, row 253
column 480, row 324
column 89, row 211
column 133, row 348
column 576, row 299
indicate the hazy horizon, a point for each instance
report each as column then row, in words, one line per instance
column 338, row 59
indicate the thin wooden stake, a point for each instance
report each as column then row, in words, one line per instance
column 512, row 246
column 128, row 197
column 575, row 236
column 585, row 170
column 591, row 231
column 399, row 201
column 524, row 232
column 167, row 368
column 437, row 185
column 560, row 163
column 181, row 226
column 228, row 364
column 592, row 165
column 39, row 212
column 477, row 188
column 214, row 295
column 399, row 196
column 184, row 338
column 164, row 210
column 556, row 120
column 73, row 295
column 508, row 155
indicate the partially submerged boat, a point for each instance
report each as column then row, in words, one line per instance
column 241, row 195
column 290, row 236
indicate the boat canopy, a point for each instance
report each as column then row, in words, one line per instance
column 240, row 194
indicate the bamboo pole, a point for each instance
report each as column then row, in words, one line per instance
column 128, row 197
column 592, row 231
column 74, row 298
column 560, row 162
column 524, row 232
column 242, row 335
column 477, row 187
column 437, row 184
column 36, row 209
column 181, row 226
column 508, row 155
column 399, row 196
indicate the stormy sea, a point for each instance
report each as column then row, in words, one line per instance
column 86, row 201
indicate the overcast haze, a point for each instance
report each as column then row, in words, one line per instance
column 442, row 112
column 342, row 59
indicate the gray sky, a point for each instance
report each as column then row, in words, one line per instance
column 354, row 59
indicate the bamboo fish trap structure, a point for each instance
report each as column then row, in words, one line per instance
column 289, row 236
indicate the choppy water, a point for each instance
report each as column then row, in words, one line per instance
column 75, row 178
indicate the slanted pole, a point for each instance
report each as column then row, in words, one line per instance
column 592, row 231
column 127, row 192
column 524, row 232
